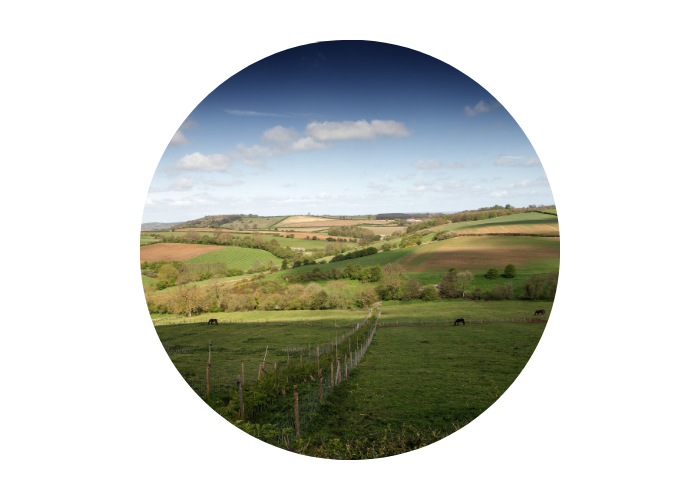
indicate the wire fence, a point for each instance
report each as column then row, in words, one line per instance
column 311, row 397
column 342, row 356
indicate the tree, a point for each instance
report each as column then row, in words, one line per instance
column 510, row 271
column 492, row 273
column 191, row 236
column 412, row 289
column 188, row 298
column 448, row 285
column 462, row 281
column 167, row 273
column 285, row 264
column 429, row 293
column 367, row 296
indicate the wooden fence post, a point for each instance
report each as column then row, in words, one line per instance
column 332, row 378
column 296, row 411
column 242, row 374
column 318, row 359
column 320, row 389
column 208, row 366
column 346, row 365
column 259, row 370
column 240, row 400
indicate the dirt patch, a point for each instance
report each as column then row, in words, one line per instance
column 303, row 220
column 475, row 253
column 175, row 251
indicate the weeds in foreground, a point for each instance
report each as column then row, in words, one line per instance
column 391, row 443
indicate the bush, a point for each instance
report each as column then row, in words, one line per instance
column 492, row 273
column 429, row 293
column 510, row 271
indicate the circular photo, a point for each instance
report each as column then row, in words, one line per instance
column 349, row 250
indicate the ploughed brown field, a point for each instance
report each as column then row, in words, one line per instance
column 481, row 253
column 174, row 251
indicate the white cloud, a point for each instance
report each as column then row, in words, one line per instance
column 308, row 144
column 481, row 107
column 279, row 135
column 476, row 164
column 362, row 129
column 181, row 184
column 455, row 165
column 526, row 184
column 403, row 177
column 533, row 162
column 288, row 184
column 202, row 163
column 428, row 165
column 423, row 183
column 179, row 139
column 254, row 155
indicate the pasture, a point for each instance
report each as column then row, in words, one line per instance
column 261, row 222
column 425, row 376
column 525, row 223
column 429, row 377
column 242, row 258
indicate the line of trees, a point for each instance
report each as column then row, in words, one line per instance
column 355, row 254
column 369, row 274
column 360, row 234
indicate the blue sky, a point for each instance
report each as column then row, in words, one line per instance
column 345, row 128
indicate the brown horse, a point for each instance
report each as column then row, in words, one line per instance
column 213, row 322
column 460, row 320
column 539, row 311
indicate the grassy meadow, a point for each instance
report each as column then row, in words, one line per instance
column 427, row 374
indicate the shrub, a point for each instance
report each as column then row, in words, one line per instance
column 492, row 273
column 429, row 293
column 510, row 271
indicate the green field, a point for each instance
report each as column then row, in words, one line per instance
column 426, row 376
column 242, row 258
column 528, row 222
column 262, row 222
column 146, row 239
column 429, row 377
column 381, row 258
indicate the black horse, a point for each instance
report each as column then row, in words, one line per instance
column 539, row 311
column 460, row 320
column 213, row 322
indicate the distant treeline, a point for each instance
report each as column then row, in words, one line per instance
column 396, row 216
column 361, row 234
column 354, row 255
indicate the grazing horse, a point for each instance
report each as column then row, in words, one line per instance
column 460, row 320
column 213, row 322
column 539, row 311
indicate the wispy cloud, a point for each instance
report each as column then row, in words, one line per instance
column 240, row 112
column 505, row 160
column 533, row 162
column 179, row 138
column 481, row 107
column 428, row 165
column 181, row 184
column 362, row 129
column 375, row 186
